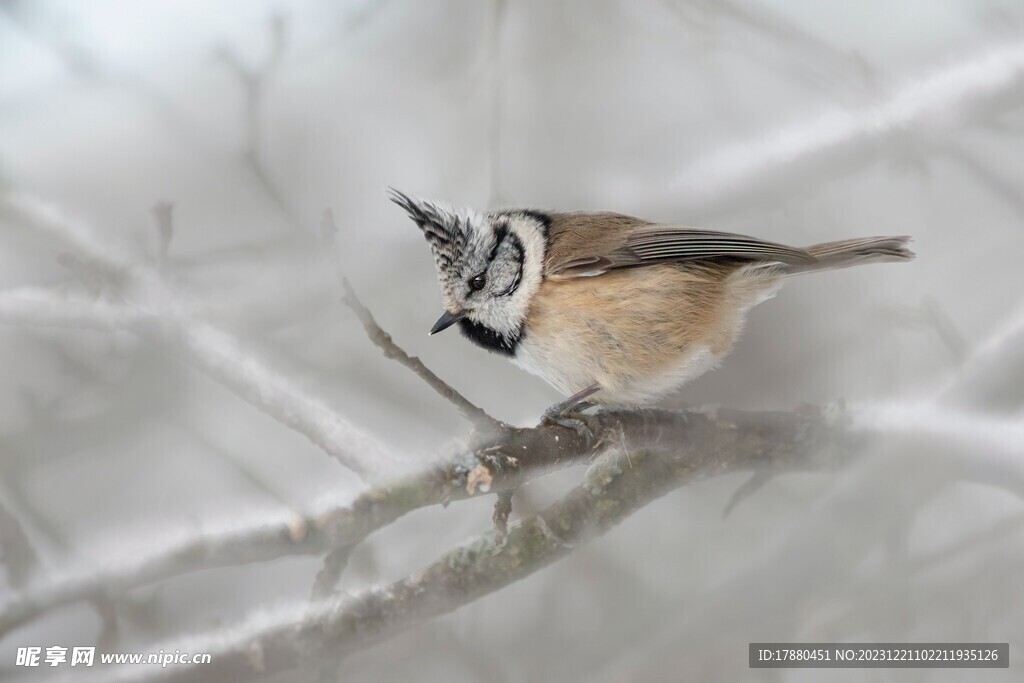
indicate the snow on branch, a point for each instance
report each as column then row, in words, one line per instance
column 38, row 306
column 794, row 156
column 616, row 485
column 491, row 463
column 991, row 377
column 210, row 349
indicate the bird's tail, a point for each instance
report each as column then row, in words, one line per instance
column 853, row 252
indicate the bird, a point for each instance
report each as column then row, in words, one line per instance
column 609, row 309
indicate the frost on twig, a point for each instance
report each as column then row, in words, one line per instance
column 219, row 355
column 334, row 564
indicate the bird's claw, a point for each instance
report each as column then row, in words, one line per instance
column 569, row 421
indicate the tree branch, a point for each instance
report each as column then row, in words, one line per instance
column 16, row 551
column 796, row 156
column 614, row 488
column 989, row 379
column 391, row 350
column 210, row 349
column 47, row 308
column 493, row 463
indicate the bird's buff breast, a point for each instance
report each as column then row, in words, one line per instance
column 639, row 333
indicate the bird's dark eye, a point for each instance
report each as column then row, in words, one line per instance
column 477, row 282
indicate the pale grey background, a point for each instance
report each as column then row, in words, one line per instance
column 798, row 122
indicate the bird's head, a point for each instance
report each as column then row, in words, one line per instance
column 489, row 265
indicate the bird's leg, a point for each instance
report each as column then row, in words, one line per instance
column 565, row 407
column 562, row 413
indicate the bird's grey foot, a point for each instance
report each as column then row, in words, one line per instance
column 569, row 422
column 570, row 418
column 587, row 407
column 576, row 403
column 568, row 413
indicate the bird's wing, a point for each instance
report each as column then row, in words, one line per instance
column 585, row 245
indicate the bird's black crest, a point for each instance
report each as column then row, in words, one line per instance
column 441, row 226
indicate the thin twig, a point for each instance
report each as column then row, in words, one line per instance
column 748, row 488
column 106, row 609
column 16, row 551
column 810, row 59
column 988, row 382
column 254, row 82
column 495, row 87
column 391, row 350
column 163, row 217
column 502, row 510
column 334, row 565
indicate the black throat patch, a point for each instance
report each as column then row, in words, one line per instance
column 487, row 338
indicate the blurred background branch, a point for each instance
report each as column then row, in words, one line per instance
column 210, row 349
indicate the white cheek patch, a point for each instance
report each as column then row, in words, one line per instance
column 507, row 270
column 533, row 268
column 505, row 314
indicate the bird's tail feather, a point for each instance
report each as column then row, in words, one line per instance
column 855, row 252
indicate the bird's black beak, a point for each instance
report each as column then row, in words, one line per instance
column 446, row 321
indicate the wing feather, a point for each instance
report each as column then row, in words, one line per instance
column 584, row 245
column 668, row 242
